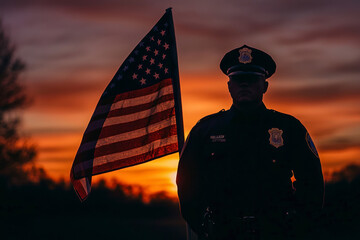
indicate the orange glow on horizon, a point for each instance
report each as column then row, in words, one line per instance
column 201, row 95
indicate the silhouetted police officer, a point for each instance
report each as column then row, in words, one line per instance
column 235, row 170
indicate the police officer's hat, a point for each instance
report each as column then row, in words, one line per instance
column 247, row 60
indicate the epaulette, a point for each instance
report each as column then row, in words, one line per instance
column 281, row 115
column 211, row 115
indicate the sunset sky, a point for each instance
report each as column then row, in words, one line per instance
column 73, row 48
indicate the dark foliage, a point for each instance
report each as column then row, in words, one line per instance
column 52, row 210
column 47, row 210
column 14, row 153
column 340, row 218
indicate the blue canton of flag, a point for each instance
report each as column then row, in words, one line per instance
column 148, row 63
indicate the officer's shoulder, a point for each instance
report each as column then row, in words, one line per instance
column 283, row 117
column 212, row 117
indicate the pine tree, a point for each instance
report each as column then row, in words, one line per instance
column 14, row 153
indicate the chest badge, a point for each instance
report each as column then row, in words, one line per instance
column 276, row 139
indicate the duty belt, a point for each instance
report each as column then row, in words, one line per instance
column 245, row 227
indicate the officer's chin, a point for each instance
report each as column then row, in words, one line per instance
column 246, row 103
column 245, row 100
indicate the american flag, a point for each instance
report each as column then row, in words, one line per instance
column 138, row 117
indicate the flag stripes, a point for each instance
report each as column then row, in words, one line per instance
column 134, row 109
column 128, row 135
column 120, row 146
column 132, row 102
column 117, row 137
column 158, row 108
column 145, row 96
column 119, row 128
column 137, row 159
column 82, row 186
column 128, row 158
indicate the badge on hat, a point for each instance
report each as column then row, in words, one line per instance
column 276, row 139
column 245, row 55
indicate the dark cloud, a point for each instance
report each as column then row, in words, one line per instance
column 337, row 33
column 65, row 96
column 306, row 94
column 348, row 138
column 54, row 130
column 315, row 94
column 350, row 67
column 341, row 143
column 323, row 19
column 63, row 88
column 91, row 9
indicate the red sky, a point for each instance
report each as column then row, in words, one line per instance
column 73, row 48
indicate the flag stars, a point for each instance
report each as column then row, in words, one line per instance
column 158, row 41
column 112, row 85
column 166, row 24
column 125, row 68
column 156, row 52
column 166, row 46
column 143, row 81
column 144, row 57
column 162, row 32
column 140, row 66
column 156, row 76
column 119, row 77
column 166, row 70
column 134, row 76
column 152, row 38
column 147, row 71
column 163, row 56
column 160, row 65
column 141, row 44
column 148, row 48
column 152, row 61
column 131, row 59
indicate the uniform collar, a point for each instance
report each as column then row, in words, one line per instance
column 246, row 113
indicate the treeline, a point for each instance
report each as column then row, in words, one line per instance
column 50, row 210
column 159, row 216
column 49, row 197
column 340, row 218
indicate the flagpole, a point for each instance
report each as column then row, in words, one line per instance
column 176, row 85
column 179, row 116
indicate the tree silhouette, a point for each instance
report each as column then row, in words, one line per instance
column 14, row 153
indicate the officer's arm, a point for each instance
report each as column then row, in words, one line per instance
column 189, row 181
column 306, row 165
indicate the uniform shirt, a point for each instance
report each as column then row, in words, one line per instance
column 241, row 163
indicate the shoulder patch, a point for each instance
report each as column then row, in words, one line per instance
column 311, row 144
